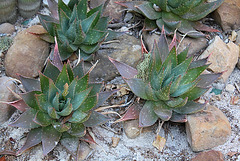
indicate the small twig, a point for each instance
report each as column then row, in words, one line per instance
column 160, row 123
column 113, row 41
column 110, row 112
column 134, row 25
column 113, row 106
column 184, row 37
column 116, row 25
column 94, row 65
column 237, row 87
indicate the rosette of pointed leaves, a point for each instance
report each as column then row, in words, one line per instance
column 175, row 14
column 60, row 106
column 75, row 27
column 169, row 82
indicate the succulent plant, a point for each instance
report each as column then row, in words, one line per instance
column 8, row 11
column 169, row 82
column 27, row 8
column 175, row 14
column 76, row 28
column 60, row 106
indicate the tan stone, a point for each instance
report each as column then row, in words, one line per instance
column 131, row 128
column 6, row 96
column 27, row 54
column 223, row 57
column 207, row 129
column 228, row 15
column 83, row 151
column 7, row 28
column 211, row 155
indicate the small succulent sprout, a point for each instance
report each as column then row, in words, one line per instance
column 169, row 82
column 174, row 14
column 75, row 27
column 59, row 106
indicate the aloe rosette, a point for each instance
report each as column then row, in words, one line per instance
column 175, row 14
column 169, row 82
column 60, row 106
column 76, row 28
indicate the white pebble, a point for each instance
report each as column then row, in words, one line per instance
column 230, row 88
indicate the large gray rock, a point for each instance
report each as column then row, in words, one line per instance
column 27, row 54
column 207, row 129
column 223, row 57
column 6, row 96
column 127, row 50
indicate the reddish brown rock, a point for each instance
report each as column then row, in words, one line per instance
column 228, row 15
column 211, row 155
column 27, row 54
column 207, row 129
column 223, row 57
column 6, row 96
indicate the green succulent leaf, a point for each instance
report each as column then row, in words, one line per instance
column 61, row 127
column 182, row 56
column 77, row 130
column 177, row 102
column 44, row 82
column 78, row 116
column 53, row 90
column 94, row 36
column 80, row 98
column 138, row 87
column 195, row 93
column 190, row 107
column 176, row 117
column 82, row 10
column 50, row 139
column 67, row 110
column 30, row 99
column 48, row 23
column 82, row 83
column 78, row 71
column 147, row 116
column 63, row 78
column 89, row 103
column 53, row 113
column 42, row 119
column 51, row 71
column 148, row 11
column 88, row 23
column 26, row 120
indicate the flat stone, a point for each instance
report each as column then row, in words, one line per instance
column 7, row 28
column 207, row 129
column 211, row 155
column 27, row 54
column 230, row 88
column 6, row 95
column 131, row 128
column 83, row 151
column 127, row 50
column 228, row 15
column 223, row 57
column 196, row 45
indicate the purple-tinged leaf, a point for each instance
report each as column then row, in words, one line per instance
column 50, row 139
column 53, row 7
column 190, row 107
column 162, row 111
column 95, row 119
column 103, row 96
column 176, row 117
column 25, row 120
column 30, row 84
column 131, row 114
column 125, row 70
column 138, row 87
column 147, row 116
column 30, row 99
column 34, row 137
column 174, row 42
column 19, row 104
column 207, row 79
column 198, row 63
column 42, row 119
column 77, row 130
column 163, row 45
column 56, row 60
column 88, row 138
column 70, row 143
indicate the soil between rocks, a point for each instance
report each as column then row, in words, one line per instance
column 176, row 148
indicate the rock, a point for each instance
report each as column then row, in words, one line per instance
column 8, row 11
column 207, row 129
column 115, row 141
column 211, row 155
column 116, row 16
column 223, row 57
column 230, row 88
column 127, row 50
column 27, row 54
column 6, row 96
column 196, row 45
column 131, row 128
column 83, row 151
column 228, row 15
column 7, row 28
column 28, row 8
